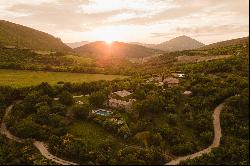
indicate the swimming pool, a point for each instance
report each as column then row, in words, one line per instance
column 102, row 112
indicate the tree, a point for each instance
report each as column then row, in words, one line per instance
column 45, row 89
column 79, row 111
column 140, row 93
column 59, row 109
column 30, row 100
column 153, row 103
column 97, row 98
column 27, row 128
column 66, row 98
column 137, row 155
column 41, row 116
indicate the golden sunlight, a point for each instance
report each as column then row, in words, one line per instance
column 109, row 34
column 109, row 42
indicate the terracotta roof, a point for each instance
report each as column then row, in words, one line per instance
column 123, row 93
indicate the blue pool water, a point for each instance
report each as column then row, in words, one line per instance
column 103, row 113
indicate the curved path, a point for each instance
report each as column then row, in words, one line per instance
column 216, row 141
column 42, row 147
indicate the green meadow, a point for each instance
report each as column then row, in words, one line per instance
column 21, row 78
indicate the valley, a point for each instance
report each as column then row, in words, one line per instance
column 99, row 103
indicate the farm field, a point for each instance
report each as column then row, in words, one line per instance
column 22, row 78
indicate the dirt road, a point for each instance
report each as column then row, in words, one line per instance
column 42, row 147
column 216, row 141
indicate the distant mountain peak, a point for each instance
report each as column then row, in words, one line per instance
column 77, row 44
column 179, row 43
column 183, row 36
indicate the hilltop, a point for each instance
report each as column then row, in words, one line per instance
column 176, row 44
column 179, row 43
column 77, row 44
column 115, row 50
column 12, row 34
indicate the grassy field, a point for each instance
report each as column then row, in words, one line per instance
column 91, row 132
column 21, row 78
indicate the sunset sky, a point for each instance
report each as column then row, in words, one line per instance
column 146, row 21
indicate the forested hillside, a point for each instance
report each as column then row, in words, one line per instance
column 115, row 50
column 243, row 40
column 12, row 34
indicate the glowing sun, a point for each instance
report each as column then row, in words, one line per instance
column 109, row 34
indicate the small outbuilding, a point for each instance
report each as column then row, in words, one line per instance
column 187, row 93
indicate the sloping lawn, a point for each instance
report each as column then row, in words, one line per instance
column 92, row 132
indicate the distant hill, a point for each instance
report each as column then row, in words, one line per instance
column 243, row 40
column 115, row 50
column 77, row 44
column 179, row 43
column 144, row 44
column 12, row 34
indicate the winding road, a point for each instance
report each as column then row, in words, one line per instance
column 216, row 141
column 42, row 147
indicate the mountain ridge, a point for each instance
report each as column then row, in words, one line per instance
column 242, row 40
column 115, row 49
column 77, row 44
column 13, row 34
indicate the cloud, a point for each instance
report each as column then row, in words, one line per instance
column 213, row 29
column 203, row 30
column 63, row 14
column 164, row 17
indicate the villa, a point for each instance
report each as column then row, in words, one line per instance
column 121, row 103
